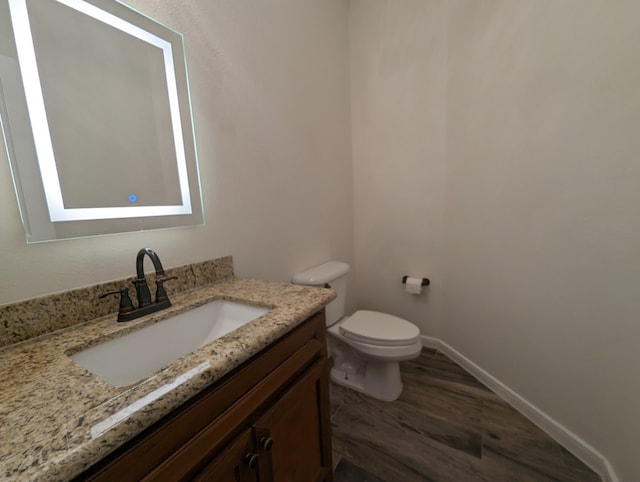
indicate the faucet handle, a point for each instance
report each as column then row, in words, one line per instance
column 161, row 293
column 125, row 302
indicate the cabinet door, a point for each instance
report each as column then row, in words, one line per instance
column 238, row 462
column 289, row 436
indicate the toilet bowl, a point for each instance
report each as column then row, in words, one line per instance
column 367, row 346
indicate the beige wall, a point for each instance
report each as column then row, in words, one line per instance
column 541, row 234
column 398, row 93
column 543, row 196
column 270, row 88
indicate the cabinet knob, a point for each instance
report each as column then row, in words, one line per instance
column 251, row 460
column 266, row 443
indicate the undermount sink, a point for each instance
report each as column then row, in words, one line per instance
column 136, row 355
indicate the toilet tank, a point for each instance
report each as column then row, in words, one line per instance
column 333, row 273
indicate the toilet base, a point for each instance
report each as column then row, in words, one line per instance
column 380, row 380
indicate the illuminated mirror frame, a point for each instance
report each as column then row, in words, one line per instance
column 115, row 218
column 39, row 124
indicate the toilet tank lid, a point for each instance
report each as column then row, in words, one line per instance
column 321, row 274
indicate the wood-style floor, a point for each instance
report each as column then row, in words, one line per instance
column 446, row 426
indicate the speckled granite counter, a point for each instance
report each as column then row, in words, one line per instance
column 50, row 407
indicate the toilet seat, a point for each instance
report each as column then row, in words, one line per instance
column 380, row 329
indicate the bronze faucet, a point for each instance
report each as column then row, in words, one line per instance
column 126, row 311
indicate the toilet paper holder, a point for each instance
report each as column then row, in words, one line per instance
column 425, row 281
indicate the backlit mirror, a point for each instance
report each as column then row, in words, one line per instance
column 96, row 118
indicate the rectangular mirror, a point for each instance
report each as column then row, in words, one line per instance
column 96, row 118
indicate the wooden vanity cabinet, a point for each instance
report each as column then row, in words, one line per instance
column 266, row 421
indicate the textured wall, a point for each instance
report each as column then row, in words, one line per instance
column 270, row 89
column 543, row 192
column 531, row 139
column 398, row 74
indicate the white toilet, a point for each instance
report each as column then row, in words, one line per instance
column 366, row 346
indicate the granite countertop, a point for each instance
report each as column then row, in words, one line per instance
column 59, row 419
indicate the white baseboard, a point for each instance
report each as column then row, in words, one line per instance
column 574, row 444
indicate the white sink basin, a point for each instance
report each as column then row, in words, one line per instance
column 136, row 355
